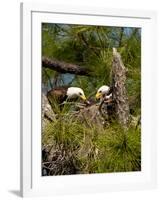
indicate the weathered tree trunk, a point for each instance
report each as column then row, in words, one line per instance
column 47, row 112
column 119, row 90
column 63, row 67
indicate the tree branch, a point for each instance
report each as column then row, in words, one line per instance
column 63, row 67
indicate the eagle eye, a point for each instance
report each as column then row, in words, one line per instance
column 100, row 91
column 80, row 93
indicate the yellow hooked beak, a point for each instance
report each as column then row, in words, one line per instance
column 98, row 95
column 83, row 97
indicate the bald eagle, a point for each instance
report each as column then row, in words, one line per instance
column 106, row 107
column 103, row 92
column 65, row 93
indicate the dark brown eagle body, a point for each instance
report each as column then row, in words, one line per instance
column 57, row 94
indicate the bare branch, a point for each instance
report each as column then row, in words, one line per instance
column 64, row 67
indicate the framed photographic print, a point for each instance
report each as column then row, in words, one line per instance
column 87, row 89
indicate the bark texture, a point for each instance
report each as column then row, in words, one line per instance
column 63, row 67
column 47, row 112
column 119, row 90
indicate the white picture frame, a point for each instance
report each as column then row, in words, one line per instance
column 32, row 183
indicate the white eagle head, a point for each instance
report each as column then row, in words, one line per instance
column 103, row 90
column 73, row 92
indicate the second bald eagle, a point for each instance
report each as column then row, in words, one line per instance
column 103, row 92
